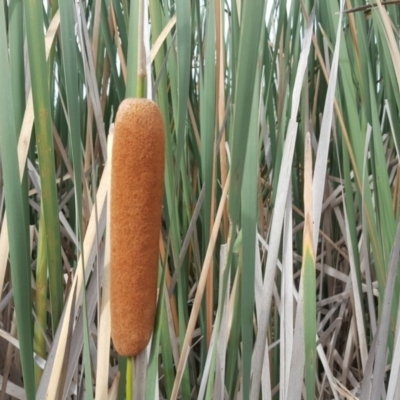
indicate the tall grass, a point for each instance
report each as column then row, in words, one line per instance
column 280, row 241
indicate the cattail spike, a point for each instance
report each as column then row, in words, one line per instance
column 137, row 178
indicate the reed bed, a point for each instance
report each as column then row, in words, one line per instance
column 280, row 238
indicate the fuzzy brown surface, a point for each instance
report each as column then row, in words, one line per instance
column 137, row 178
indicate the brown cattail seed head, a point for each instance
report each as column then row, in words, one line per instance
column 137, row 182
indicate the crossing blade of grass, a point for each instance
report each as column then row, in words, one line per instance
column 61, row 358
column 394, row 49
column 223, row 292
column 324, row 137
column 204, row 391
column 308, row 275
column 70, row 60
column 386, row 217
column 249, row 210
column 394, row 379
column 358, row 310
column 382, row 193
column 167, row 96
column 179, row 65
column 77, row 336
column 207, row 125
column 287, row 312
column 121, row 15
column 13, row 390
column 142, row 58
column 23, row 147
column 139, row 376
column 17, row 226
column 276, row 226
column 234, row 326
column 152, row 370
column 183, row 35
column 41, row 279
column 221, row 102
column 111, row 53
column 169, row 346
column 355, row 143
column 328, row 370
column 132, row 59
column 169, row 327
column 16, row 48
column 16, row 52
column 41, row 299
column 352, row 250
column 266, row 371
column 295, row 379
column 156, row 13
column 377, row 386
column 104, row 334
column 90, row 81
column 199, row 294
column 250, row 34
column 278, row 215
column 41, row 102
column 219, row 388
column 95, row 229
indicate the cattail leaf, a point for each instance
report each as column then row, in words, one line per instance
column 17, row 225
column 308, row 276
column 43, row 121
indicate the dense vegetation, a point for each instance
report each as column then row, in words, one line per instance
column 280, row 240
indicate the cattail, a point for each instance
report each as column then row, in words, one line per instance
column 137, row 177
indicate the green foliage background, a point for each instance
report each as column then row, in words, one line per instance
column 280, row 240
